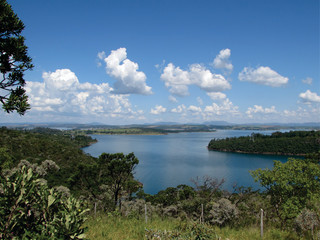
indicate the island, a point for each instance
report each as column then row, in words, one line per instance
column 293, row 143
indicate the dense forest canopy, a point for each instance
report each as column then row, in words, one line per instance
column 40, row 144
column 281, row 143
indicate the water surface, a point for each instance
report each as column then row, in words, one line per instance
column 170, row 160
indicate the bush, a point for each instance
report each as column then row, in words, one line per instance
column 222, row 212
column 30, row 210
column 306, row 221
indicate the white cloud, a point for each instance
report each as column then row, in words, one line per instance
column 194, row 109
column 288, row 113
column 180, row 109
column 226, row 107
column 62, row 94
column 222, row 60
column 128, row 79
column 260, row 109
column 217, row 96
column 309, row 97
column 158, row 109
column 61, row 80
column 101, row 55
column 178, row 80
column 262, row 75
column 308, row 80
column 172, row 99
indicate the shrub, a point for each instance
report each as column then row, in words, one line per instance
column 222, row 212
column 306, row 221
column 30, row 210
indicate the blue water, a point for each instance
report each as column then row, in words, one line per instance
column 170, row 160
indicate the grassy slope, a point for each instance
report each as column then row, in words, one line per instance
column 114, row 228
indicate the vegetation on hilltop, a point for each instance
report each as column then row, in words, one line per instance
column 122, row 131
column 39, row 145
column 287, row 143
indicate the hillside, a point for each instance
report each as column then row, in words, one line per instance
column 288, row 143
column 41, row 144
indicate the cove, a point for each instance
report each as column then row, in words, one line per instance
column 173, row 159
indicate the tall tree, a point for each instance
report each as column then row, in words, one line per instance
column 116, row 171
column 14, row 61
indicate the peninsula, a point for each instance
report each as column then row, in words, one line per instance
column 294, row 143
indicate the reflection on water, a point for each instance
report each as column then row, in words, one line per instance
column 170, row 160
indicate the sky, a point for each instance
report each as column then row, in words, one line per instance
column 145, row 61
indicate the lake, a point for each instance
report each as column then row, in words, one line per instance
column 173, row 159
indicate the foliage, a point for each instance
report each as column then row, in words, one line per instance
column 6, row 160
column 290, row 186
column 30, row 210
column 288, row 143
column 109, row 179
column 116, row 171
column 14, row 61
column 248, row 203
column 38, row 145
column 192, row 231
column 307, row 220
column 208, row 187
column 129, row 131
column 136, row 209
column 223, row 212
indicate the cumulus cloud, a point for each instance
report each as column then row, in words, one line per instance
column 260, row 109
column 225, row 107
column 222, row 60
column 262, row 75
column 309, row 97
column 178, row 80
column 60, row 80
column 217, row 96
column 308, row 80
column 61, row 93
column 128, row 79
column 158, row 110
column 194, row 109
column 180, row 109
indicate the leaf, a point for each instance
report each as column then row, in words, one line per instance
column 82, row 236
column 51, row 200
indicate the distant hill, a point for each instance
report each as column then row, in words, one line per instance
column 165, row 125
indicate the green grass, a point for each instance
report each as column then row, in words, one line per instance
column 116, row 228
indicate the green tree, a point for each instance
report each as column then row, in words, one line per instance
column 14, row 61
column 116, row 171
column 291, row 185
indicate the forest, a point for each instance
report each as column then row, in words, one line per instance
column 50, row 165
column 294, row 143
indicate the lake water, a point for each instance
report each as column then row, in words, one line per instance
column 173, row 159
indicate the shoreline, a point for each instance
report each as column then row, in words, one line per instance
column 257, row 153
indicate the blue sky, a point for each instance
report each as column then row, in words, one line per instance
column 120, row 62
